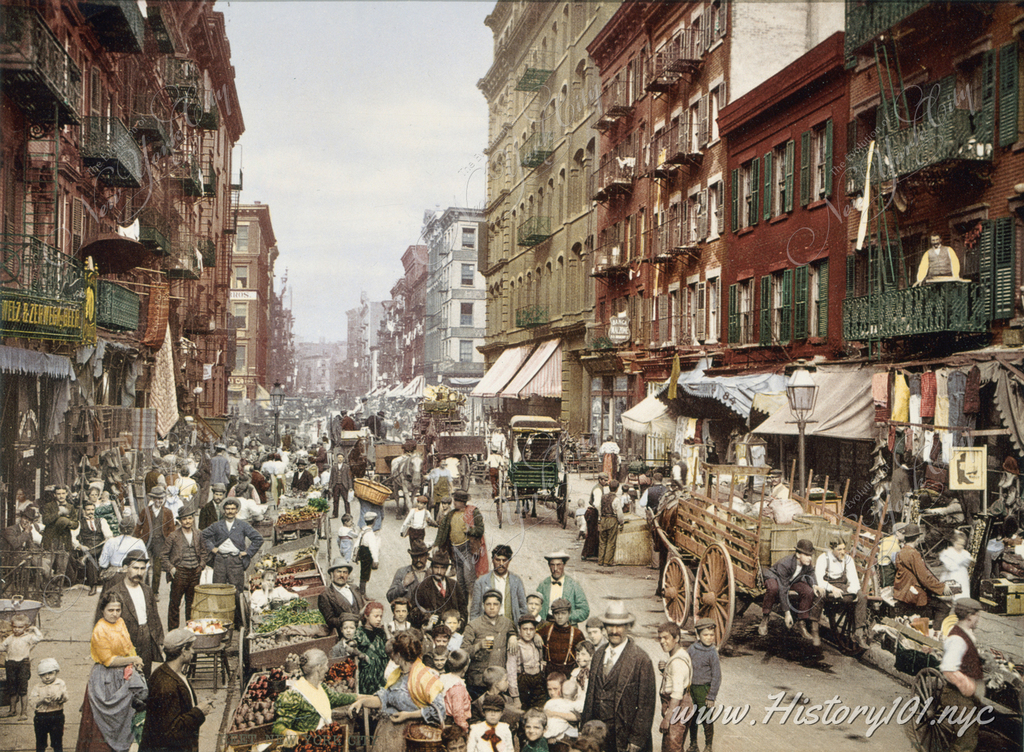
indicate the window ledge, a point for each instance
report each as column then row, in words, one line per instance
column 1018, row 147
column 816, row 341
column 712, row 142
column 817, row 204
column 745, row 230
column 778, row 218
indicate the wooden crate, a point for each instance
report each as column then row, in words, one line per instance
column 276, row 657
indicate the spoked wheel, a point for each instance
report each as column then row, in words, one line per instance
column 841, row 628
column 714, row 592
column 54, row 592
column 928, row 733
column 562, row 501
column 677, row 589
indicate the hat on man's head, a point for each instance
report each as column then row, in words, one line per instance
column 603, row 476
column 968, row 604
column 616, row 613
column 461, row 495
column 301, row 462
column 804, row 546
column 232, row 449
column 178, row 638
column 440, row 558
column 218, row 488
column 29, row 513
column 911, row 531
column 219, row 447
column 560, row 604
column 369, row 516
column 158, row 492
column 189, row 509
column 1010, row 465
column 339, row 564
column 560, row 554
column 133, row 556
column 231, row 500
column 418, row 548
column 47, row 665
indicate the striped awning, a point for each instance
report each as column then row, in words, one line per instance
column 541, row 376
column 499, row 374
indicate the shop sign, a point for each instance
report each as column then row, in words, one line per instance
column 243, row 295
column 618, row 329
column 37, row 317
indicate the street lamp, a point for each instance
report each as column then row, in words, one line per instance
column 277, row 399
column 802, row 393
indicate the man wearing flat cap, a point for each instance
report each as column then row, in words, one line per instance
column 561, row 585
column 487, row 639
column 155, row 526
column 173, row 716
column 621, row 691
column 408, row 578
column 436, row 594
column 513, row 593
column 793, row 572
column 961, row 667
column 916, row 589
column 138, row 609
column 340, row 597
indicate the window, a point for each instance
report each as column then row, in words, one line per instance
column 698, row 216
column 746, row 194
column 714, row 293
column 239, row 357
column 241, row 314
column 663, row 319
column 716, row 209
column 778, row 180
column 467, row 275
column 694, row 130
column 816, row 164
column 466, row 314
column 469, row 237
column 716, row 101
column 465, row 351
column 782, row 307
column 242, row 238
column 741, row 313
column 698, row 311
column 241, row 277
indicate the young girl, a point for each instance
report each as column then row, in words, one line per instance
column 956, row 561
column 400, row 616
column 371, row 639
column 415, row 525
column 581, row 674
column 346, row 537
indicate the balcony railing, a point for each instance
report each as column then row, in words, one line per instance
column 149, row 122
column 535, row 70
column 117, row 308
column 118, row 24
column 110, row 152
column 598, row 338
column 37, row 72
column 154, row 231
column 616, row 100
column 680, row 55
column 210, row 119
column 939, row 308
column 666, row 240
column 184, row 85
column 950, row 136
column 538, row 147
column 613, row 178
column 533, row 231
column 184, row 261
column 866, row 20
column 609, row 260
column 162, row 32
column 208, row 252
column 188, row 173
column 529, row 316
column 675, row 146
column 42, row 291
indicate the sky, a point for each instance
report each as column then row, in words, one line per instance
column 360, row 115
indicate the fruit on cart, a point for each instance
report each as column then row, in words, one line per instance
column 327, row 739
column 319, row 504
column 292, row 516
column 257, row 705
column 342, row 676
column 205, row 626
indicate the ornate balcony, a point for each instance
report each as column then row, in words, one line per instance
column 117, row 308
column 940, row 308
column 538, row 147
column 162, row 32
column 183, row 82
column 111, row 153
column 613, row 178
column 42, row 291
column 865, row 21
column 530, row 316
column 149, row 122
column 154, row 231
column 38, row 73
column 184, row 261
column 118, row 24
column 533, row 231
column 609, row 260
column 189, row 174
column 677, row 145
column 680, row 55
column 535, row 71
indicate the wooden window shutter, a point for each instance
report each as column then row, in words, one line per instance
column 720, row 207
column 1008, row 94
column 685, row 307
column 822, row 300
column 985, row 272
column 723, row 95
column 755, row 191
column 984, row 130
column 805, row 168
column 701, row 319
column 828, row 158
column 851, row 275
column 766, row 311
column 734, row 316
column 77, row 223
column 767, row 186
column 664, row 320
column 702, row 229
column 735, row 200
column 786, row 307
column 703, row 130
column 789, row 176
column 1003, row 268
column 800, row 290
column 723, row 17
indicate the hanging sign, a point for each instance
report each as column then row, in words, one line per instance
column 27, row 315
column 618, row 329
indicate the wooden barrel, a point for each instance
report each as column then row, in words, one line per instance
column 634, row 544
column 785, row 536
column 215, row 602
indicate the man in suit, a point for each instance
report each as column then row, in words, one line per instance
column 435, row 595
column 21, row 537
column 408, row 578
column 560, row 585
column 340, row 598
column 513, row 594
column 340, row 482
column 185, row 557
column 622, row 690
column 155, row 525
column 173, row 716
column 916, row 589
column 794, row 572
column 138, row 609
column 88, row 540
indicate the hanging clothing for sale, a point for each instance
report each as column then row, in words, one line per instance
column 899, row 487
column 972, row 391
column 942, row 397
column 880, row 395
column 900, row 399
column 928, row 387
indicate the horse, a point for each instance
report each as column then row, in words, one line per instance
column 407, row 477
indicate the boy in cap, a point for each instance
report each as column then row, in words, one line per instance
column 560, row 639
column 961, row 667
column 707, row 679
column 155, row 525
column 367, row 550
column 491, row 734
column 525, row 666
column 47, row 700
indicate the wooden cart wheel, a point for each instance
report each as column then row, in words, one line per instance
column 714, row 592
column 929, row 734
column 677, row 589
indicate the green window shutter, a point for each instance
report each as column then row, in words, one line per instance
column 735, row 200
column 734, row 316
column 766, row 311
column 851, row 135
column 755, row 190
column 823, row 300
column 767, row 186
column 800, row 302
column 1008, row 94
column 983, row 131
column 805, row 168
column 1003, row 278
column 786, row 313
column 828, row 158
column 851, row 275
column 789, row 176
column 986, row 274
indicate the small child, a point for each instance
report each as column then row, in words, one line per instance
column 367, row 550
column 492, row 734
column 496, row 681
column 563, row 709
column 595, row 631
column 534, row 601
column 346, row 646
column 415, row 525
column 47, row 699
column 457, row 704
column 707, row 678
column 525, row 666
column 560, row 639
column 454, row 738
column 346, row 537
column 534, row 723
column 18, row 648
column 437, row 656
column 584, row 657
column 400, row 616
column 453, row 620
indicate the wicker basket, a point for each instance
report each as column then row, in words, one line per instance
column 374, row 493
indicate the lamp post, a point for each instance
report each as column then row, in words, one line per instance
column 277, row 399
column 802, row 393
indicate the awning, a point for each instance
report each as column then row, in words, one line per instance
column 116, row 252
column 541, row 376
column 499, row 374
column 844, row 409
column 17, row 360
column 651, row 416
column 414, row 388
column 718, row 397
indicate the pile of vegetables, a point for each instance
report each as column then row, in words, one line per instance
column 257, row 706
column 320, row 504
column 292, row 634
column 293, row 612
column 303, row 514
column 269, row 562
column 327, row 739
column 342, row 676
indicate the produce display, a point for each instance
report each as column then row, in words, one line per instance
column 303, row 514
column 293, row 612
column 269, row 562
column 341, row 677
column 289, row 582
column 205, row 626
column 290, row 635
column 257, row 706
column 319, row 504
column 328, row 739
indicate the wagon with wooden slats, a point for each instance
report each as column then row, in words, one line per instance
column 536, row 470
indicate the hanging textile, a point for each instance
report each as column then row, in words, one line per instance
column 163, row 390
column 15, row 360
column 956, row 387
column 900, row 399
column 880, row 394
column 942, row 397
column 928, row 387
column 157, row 314
column 972, row 391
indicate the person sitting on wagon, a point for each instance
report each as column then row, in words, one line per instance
column 837, row 573
column 793, row 572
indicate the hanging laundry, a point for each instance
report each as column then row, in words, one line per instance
column 900, row 399
column 957, row 386
column 928, row 389
column 972, row 391
column 880, row 394
column 942, row 397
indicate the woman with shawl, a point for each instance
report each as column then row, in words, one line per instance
column 413, row 695
column 116, row 685
column 309, row 704
column 372, row 640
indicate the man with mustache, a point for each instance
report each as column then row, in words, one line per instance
column 138, row 610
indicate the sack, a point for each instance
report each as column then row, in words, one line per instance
column 206, row 578
column 935, row 478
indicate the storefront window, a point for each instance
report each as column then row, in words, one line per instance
column 609, row 397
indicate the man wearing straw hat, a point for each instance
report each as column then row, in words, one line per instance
column 622, row 691
column 185, row 557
